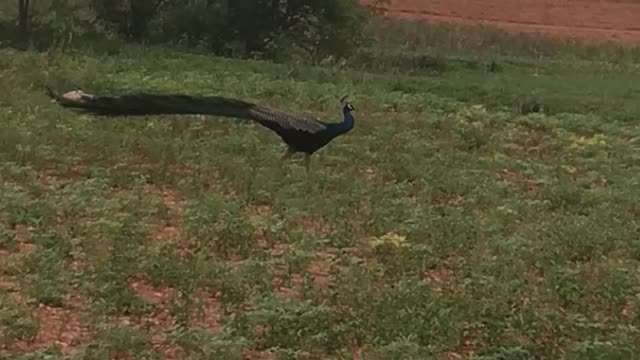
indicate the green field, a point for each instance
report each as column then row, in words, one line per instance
column 449, row 224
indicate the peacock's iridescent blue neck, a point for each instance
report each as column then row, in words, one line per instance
column 347, row 123
column 336, row 129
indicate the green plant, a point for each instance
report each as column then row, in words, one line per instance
column 446, row 223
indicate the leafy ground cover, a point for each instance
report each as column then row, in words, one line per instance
column 447, row 225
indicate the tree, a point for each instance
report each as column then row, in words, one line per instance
column 23, row 18
column 131, row 17
column 275, row 29
column 142, row 12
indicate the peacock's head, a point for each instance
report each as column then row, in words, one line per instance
column 347, row 107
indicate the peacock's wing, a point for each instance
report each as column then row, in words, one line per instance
column 157, row 104
column 276, row 120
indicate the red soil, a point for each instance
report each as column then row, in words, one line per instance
column 585, row 20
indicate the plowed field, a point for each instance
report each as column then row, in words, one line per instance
column 587, row 20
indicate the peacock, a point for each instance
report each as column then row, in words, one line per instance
column 301, row 134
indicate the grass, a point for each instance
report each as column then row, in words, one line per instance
column 446, row 225
column 565, row 76
column 489, row 41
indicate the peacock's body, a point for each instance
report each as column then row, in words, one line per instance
column 300, row 133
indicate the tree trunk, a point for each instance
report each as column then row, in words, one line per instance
column 23, row 18
column 142, row 12
column 224, row 7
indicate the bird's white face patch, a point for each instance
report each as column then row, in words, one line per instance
column 76, row 95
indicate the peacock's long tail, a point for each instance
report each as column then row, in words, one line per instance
column 152, row 104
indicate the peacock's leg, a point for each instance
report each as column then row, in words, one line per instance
column 307, row 162
column 287, row 154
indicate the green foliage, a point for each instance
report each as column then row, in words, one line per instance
column 128, row 18
column 282, row 30
column 204, row 344
column 290, row 325
column 17, row 321
column 119, row 341
column 219, row 226
column 447, row 224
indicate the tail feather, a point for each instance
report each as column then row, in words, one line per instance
column 152, row 104
column 176, row 104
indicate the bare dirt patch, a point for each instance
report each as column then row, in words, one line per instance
column 258, row 355
column 584, row 20
column 60, row 327
column 207, row 314
column 526, row 183
column 161, row 321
